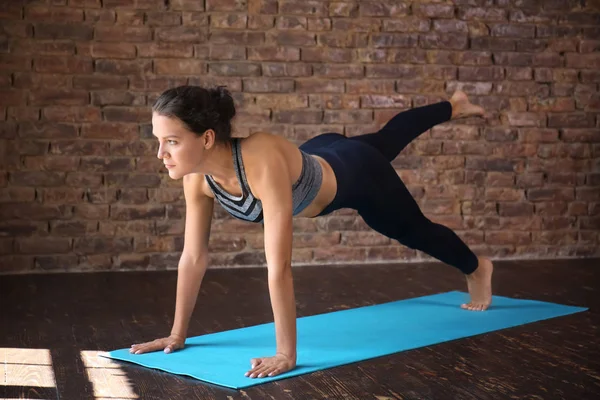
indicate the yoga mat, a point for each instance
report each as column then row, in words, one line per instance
column 343, row 337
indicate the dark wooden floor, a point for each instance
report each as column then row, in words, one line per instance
column 52, row 327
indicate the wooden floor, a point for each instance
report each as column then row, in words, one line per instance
column 52, row 327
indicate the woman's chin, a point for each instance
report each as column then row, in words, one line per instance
column 173, row 174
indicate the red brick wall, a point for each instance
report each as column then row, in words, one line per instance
column 81, row 189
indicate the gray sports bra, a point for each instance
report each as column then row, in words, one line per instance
column 248, row 208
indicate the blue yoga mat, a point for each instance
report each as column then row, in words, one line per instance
column 343, row 337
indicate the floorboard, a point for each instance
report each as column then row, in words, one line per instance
column 52, row 326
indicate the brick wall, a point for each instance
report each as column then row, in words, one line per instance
column 81, row 188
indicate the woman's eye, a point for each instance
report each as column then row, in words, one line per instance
column 172, row 142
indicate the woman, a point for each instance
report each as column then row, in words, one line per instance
column 265, row 178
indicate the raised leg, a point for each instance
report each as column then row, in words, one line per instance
column 406, row 126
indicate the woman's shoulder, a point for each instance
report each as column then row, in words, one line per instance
column 264, row 143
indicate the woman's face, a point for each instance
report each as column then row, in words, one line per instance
column 179, row 149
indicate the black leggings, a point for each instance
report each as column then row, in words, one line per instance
column 367, row 182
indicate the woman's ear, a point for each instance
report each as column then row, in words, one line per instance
column 209, row 138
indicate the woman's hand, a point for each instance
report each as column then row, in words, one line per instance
column 270, row 366
column 168, row 344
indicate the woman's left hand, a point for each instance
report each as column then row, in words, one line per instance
column 270, row 366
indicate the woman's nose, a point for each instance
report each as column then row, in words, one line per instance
column 161, row 153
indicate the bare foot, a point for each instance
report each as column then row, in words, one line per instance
column 480, row 286
column 463, row 108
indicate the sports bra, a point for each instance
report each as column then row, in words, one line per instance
column 248, row 208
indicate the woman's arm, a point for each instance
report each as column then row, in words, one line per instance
column 192, row 265
column 275, row 192
column 194, row 257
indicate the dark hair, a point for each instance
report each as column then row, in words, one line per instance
column 199, row 109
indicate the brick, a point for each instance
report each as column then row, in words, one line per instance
column 441, row 41
column 515, row 209
column 179, row 67
column 21, row 114
column 580, row 135
column 268, row 85
column 381, row 101
column 107, row 130
column 288, row 22
column 581, row 18
column 186, row 5
column 99, row 245
column 186, row 34
column 112, row 50
column 586, row 61
column 338, row 71
column 263, row 7
column 383, row 9
column 261, row 22
column 41, row 245
column 529, row 17
column 53, row 14
column 20, row 29
column 557, row 31
column 88, row 180
column 62, row 31
column 394, row 40
column 127, row 114
column 472, row 88
column 71, row 114
column 126, row 228
column 298, row 116
column 483, row 14
column 100, row 16
column 393, row 71
column 274, row 54
column 57, row 163
column 131, row 179
column 101, row 164
column 101, row 196
column 162, row 18
column 434, row 10
column 67, row 97
column 513, row 30
column 16, row 194
column 30, row 46
column 344, row 39
column 540, row 194
column 450, row 26
column 552, row 104
column 46, row 130
column 513, row 59
column 372, row 86
column 406, row 24
column 166, row 50
column 519, row 73
column 357, row 24
column 70, row 65
column 138, row 4
column 500, row 134
column 33, row 212
column 329, row 55
column 229, row 69
column 228, row 21
column 523, row 89
column 11, row 11
column 158, row 83
column 480, row 73
column 236, row 38
column 455, row 132
column 416, row 86
column 305, row 7
column 348, row 117
column 572, row 120
column 585, row 46
column 493, row 44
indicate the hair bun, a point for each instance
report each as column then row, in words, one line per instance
column 224, row 102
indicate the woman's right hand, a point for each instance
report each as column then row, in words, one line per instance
column 168, row 344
